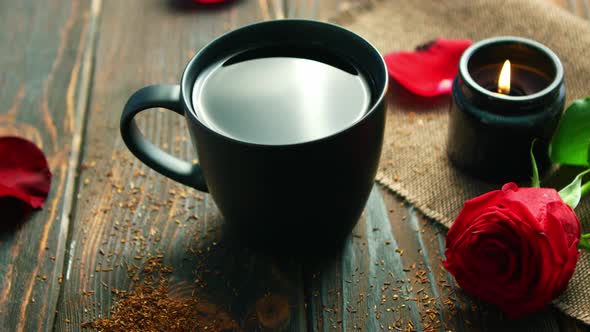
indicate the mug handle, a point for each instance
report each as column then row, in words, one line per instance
column 166, row 96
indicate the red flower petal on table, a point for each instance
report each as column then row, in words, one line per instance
column 24, row 173
column 429, row 71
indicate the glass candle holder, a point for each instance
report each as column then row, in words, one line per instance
column 491, row 129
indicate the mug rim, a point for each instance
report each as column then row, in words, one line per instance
column 186, row 98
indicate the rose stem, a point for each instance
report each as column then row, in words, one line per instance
column 585, row 188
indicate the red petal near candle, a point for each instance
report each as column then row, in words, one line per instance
column 429, row 71
column 24, row 173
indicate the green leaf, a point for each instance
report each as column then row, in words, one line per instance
column 535, row 178
column 585, row 242
column 571, row 142
column 572, row 193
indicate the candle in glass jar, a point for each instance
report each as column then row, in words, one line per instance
column 524, row 80
column 492, row 125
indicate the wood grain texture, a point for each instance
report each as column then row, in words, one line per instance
column 389, row 277
column 311, row 9
column 393, row 254
column 125, row 212
column 122, row 212
column 344, row 292
column 41, row 98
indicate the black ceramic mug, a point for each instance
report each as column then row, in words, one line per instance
column 275, row 194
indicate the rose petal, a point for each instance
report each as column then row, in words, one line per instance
column 24, row 173
column 430, row 70
column 567, row 271
column 521, row 215
column 471, row 211
column 515, row 247
column 557, row 239
column 568, row 219
column 536, row 199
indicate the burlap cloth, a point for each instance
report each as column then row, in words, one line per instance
column 414, row 163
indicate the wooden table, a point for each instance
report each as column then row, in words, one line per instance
column 68, row 67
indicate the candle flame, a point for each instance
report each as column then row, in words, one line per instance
column 504, row 79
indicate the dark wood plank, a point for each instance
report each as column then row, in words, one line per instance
column 390, row 275
column 314, row 9
column 42, row 84
column 567, row 323
column 342, row 291
column 370, row 286
column 475, row 314
column 126, row 212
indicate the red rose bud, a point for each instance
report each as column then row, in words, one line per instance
column 516, row 247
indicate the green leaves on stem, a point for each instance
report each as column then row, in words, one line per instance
column 571, row 146
column 535, row 178
column 572, row 193
column 586, row 189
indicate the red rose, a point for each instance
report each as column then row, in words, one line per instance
column 515, row 247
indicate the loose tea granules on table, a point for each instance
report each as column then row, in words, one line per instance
column 150, row 308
